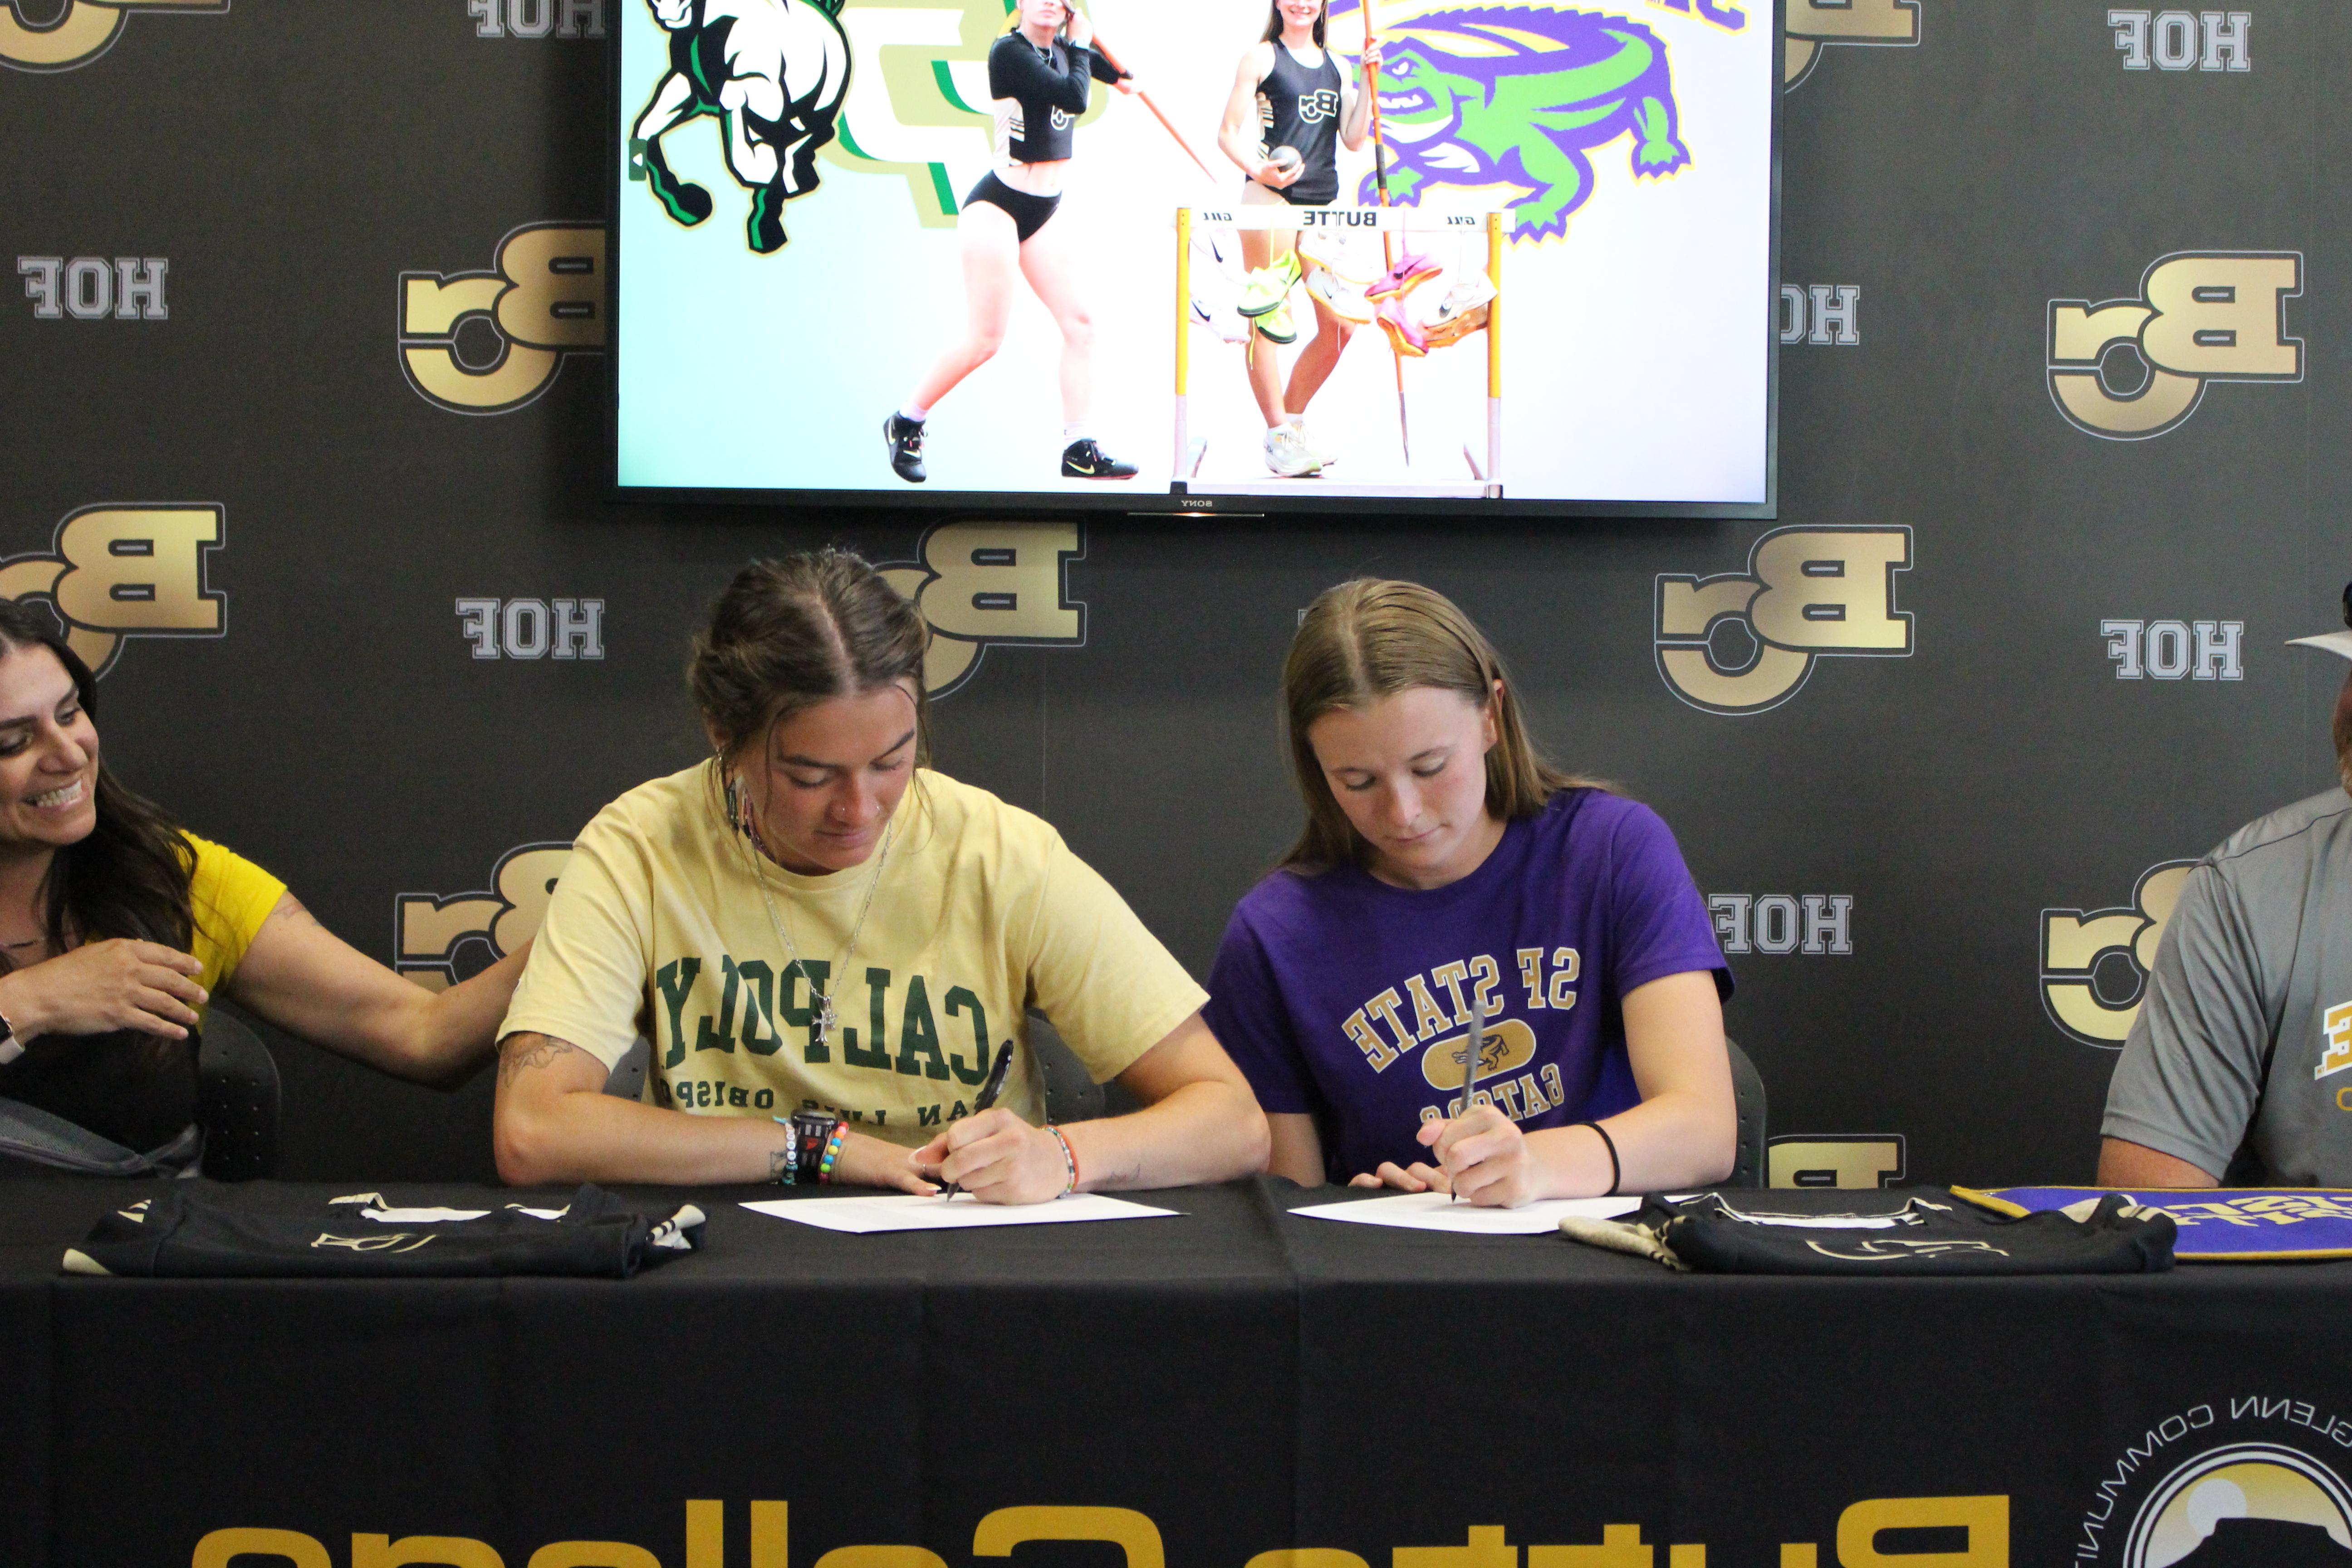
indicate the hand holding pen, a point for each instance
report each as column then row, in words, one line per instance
column 1482, row 1154
column 997, row 1072
column 994, row 1155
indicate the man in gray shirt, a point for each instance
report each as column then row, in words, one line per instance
column 2238, row 1068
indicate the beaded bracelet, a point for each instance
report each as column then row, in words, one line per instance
column 832, row 1152
column 788, row 1174
column 1070, row 1159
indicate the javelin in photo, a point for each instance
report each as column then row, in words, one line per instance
column 1038, row 77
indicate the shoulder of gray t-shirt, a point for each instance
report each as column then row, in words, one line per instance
column 2285, row 841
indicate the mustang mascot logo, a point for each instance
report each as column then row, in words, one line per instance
column 774, row 72
column 1517, row 95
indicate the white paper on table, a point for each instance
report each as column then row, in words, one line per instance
column 913, row 1211
column 1438, row 1211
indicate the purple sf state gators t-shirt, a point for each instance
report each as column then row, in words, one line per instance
column 1349, row 1000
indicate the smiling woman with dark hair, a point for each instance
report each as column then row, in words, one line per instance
column 829, row 944
column 118, row 927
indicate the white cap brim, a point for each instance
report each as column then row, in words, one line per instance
column 2337, row 643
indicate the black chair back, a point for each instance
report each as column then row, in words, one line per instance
column 237, row 1099
column 1748, row 1165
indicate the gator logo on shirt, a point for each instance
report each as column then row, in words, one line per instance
column 439, row 939
column 1815, row 24
column 979, row 584
column 1508, row 1044
column 2096, row 963
column 113, row 572
column 76, row 32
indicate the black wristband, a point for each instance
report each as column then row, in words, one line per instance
column 814, row 1129
column 1616, row 1170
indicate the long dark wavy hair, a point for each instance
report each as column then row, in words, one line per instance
column 1274, row 23
column 130, row 878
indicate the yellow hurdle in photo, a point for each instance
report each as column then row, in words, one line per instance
column 1486, row 477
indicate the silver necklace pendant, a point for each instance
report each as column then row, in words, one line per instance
column 821, row 1026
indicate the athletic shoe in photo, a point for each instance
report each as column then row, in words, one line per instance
column 1268, row 286
column 1085, row 460
column 1447, row 330
column 1402, row 331
column 1342, row 297
column 906, row 438
column 1223, row 319
column 1323, row 459
column 1275, row 325
column 1336, row 252
column 1215, row 288
column 1409, row 274
column 1471, row 292
column 1287, row 454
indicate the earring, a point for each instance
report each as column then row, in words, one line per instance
column 738, row 809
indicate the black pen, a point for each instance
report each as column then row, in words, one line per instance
column 1470, row 1053
column 997, row 1073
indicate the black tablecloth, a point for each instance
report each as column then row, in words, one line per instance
column 1244, row 1380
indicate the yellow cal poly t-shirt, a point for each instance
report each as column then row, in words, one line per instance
column 657, row 928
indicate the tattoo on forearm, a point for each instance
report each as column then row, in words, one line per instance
column 529, row 1051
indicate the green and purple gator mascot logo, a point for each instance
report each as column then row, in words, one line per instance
column 1518, row 95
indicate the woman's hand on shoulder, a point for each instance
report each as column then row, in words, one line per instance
column 100, row 986
column 997, row 1158
column 1081, row 31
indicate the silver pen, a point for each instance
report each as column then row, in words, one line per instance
column 1471, row 1051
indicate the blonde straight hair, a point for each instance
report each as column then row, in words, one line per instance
column 1369, row 638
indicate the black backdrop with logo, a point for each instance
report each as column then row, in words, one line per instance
column 1973, row 775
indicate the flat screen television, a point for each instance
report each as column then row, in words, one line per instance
column 794, row 255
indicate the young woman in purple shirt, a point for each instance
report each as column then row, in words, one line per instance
column 1445, row 868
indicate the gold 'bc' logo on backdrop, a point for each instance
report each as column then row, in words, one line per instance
column 429, row 929
column 2079, row 947
column 2201, row 316
column 489, row 343
column 979, row 583
column 1814, row 25
column 78, row 32
column 1746, row 641
column 125, row 571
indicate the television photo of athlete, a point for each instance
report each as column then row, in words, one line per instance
column 1291, row 108
column 1465, row 178
column 1039, row 74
